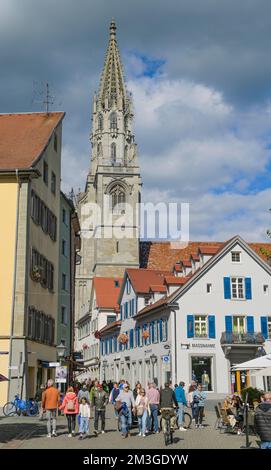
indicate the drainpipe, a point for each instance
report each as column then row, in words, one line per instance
column 175, row 345
column 14, row 286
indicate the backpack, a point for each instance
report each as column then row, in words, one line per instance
column 70, row 405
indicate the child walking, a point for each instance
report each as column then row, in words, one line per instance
column 84, row 412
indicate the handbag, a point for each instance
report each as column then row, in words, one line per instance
column 140, row 410
column 118, row 406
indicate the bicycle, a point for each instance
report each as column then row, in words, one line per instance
column 18, row 407
column 167, row 414
column 187, row 420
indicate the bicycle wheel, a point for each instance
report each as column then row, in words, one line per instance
column 187, row 420
column 33, row 410
column 9, row 409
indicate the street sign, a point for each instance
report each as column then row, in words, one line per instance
column 54, row 364
column 166, row 359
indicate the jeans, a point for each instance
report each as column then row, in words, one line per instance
column 199, row 410
column 84, row 425
column 142, row 421
column 51, row 420
column 71, row 418
column 126, row 422
column 265, row 445
column 153, row 418
column 99, row 414
column 171, row 412
column 180, row 414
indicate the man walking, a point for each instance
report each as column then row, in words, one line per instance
column 181, row 400
column 126, row 397
column 263, row 421
column 153, row 396
column 50, row 403
column 167, row 404
column 100, row 400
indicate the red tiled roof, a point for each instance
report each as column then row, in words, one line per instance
column 178, row 267
column 208, row 250
column 195, row 257
column 187, row 263
column 110, row 326
column 158, row 288
column 106, row 291
column 175, row 280
column 142, row 279
column 23, row 137
column 163, row 255
column 158, row 303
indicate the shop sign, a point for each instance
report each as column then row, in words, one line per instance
column 203, row 345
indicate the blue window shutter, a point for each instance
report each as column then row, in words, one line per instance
column 227, row 287
column 133, row 306
column 152, row 332
column 211, row 324
column 115, row 344
column 248, row 288
column 250, row 324
column 138, row 336
column 126, row 344
column 121, row 312
column 131, row 339
column 264, row 327
column 228, row 323
column 126, row 309
column 160, row 330
column 190, row 326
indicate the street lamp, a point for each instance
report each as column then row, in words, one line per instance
column 104, row 366
column 153, row 359
column 60, row 350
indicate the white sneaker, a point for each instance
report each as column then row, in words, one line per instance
column 54, row 434
column 102, row 432
column 182, row 429
column 49, row 435
column 139, row 434
column 143, row 435
column 201, row 426
column 70, row 435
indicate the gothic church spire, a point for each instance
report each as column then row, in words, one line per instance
column 112, row 91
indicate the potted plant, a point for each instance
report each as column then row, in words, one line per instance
column 36, row 274
column 122, row 338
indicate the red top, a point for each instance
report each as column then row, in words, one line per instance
column 70, row 396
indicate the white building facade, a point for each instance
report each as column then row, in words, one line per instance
column 219, row 317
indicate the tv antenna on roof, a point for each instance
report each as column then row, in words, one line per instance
column 42, row 90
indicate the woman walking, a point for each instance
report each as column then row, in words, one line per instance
column 199, row 398
column 191, row 390
column 143, row 411
column 71, row 409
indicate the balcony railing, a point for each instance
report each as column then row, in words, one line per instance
column 241, row 338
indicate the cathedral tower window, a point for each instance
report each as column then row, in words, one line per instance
column 100, row 122
column 113, row 121
column 118, row 199
column 113, row 152
column 99, row 149
column 126, row 120
column 126, row 155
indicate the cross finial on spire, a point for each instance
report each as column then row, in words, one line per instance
column 113, row 28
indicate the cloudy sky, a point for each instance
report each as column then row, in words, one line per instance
column 200, row 73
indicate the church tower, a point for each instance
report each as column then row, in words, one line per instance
column 110, row 243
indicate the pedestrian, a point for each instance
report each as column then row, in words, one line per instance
column 181, row 400
column 71, row 408
column 191, row 389
column 50, row 403
column 263, row 421
column 112, row 399
column 137, row 389
column 153, row 396
column 199, row 398
column 127, row 400
column 38, row 399
column 83, row 393
column 84, row 413
column 142, row 411
column 100, row 400
column 167, row 403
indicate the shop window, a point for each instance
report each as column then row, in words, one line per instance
column 201, row 367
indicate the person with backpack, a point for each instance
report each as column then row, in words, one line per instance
column 71, row 409
column 112, row 399
column 199, row 398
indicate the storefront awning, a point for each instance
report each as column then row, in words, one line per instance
column 258, row 363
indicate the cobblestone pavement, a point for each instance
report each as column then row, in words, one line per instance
column 30, row 433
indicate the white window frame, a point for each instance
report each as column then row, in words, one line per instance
column 239, row 317
column 269, row 327
column 237, row 278
column 201, row 320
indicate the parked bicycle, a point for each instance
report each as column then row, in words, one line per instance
column 21, row 407
column 187, row 420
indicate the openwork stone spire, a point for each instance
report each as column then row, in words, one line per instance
column 112, row 91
